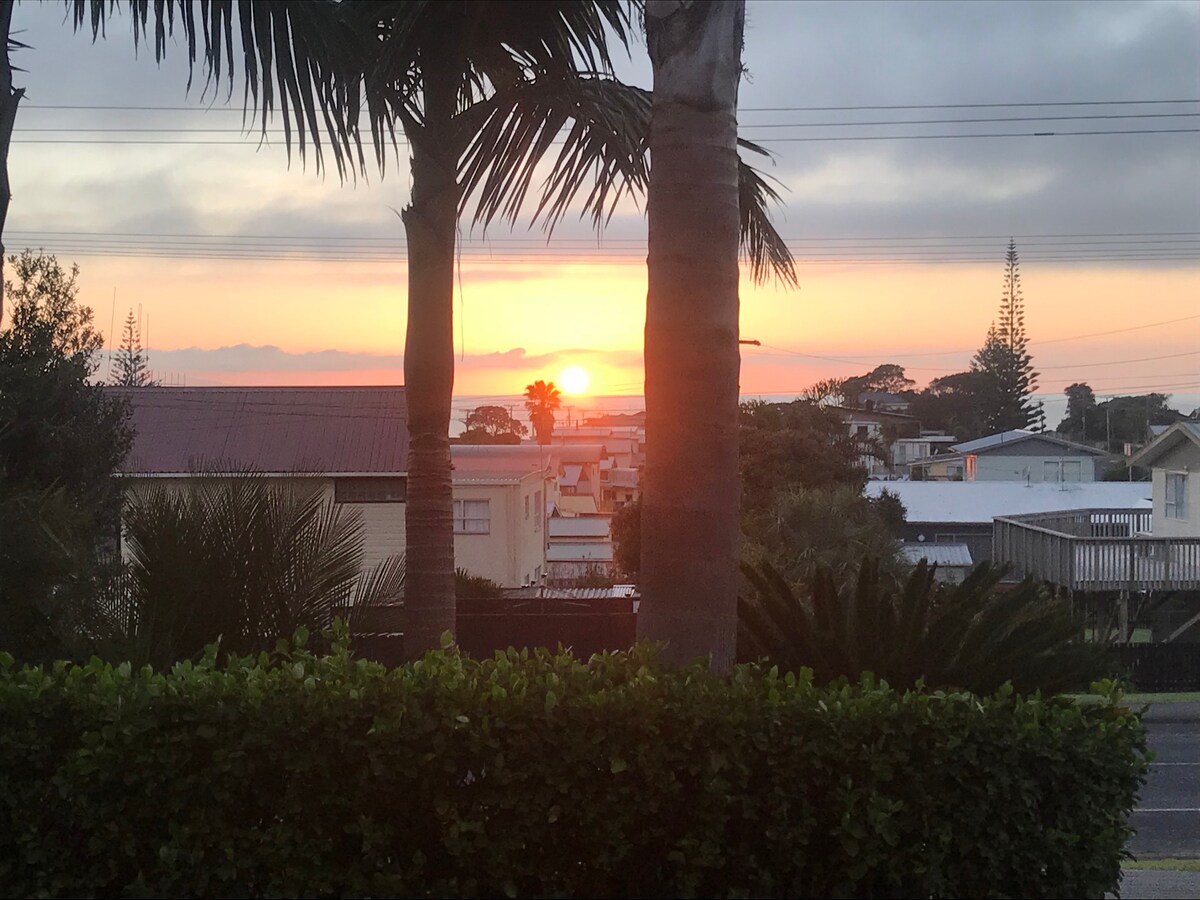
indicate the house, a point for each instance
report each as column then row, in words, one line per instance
column 884, row 401
column 351, row 445
column 1017, row 455
column 500, row 499
column 876, row 429
column 1174, row 460
column 910, row 449
column 941, row 512
column 579, row 470
column 579, row 547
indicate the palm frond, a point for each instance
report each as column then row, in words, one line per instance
column 301, row 60
column 602, row 130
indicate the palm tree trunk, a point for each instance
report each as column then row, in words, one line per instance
column 429, row 225
column 690, row 532
column 9, row 101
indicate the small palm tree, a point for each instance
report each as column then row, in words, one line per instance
column 243, row 560
column 542, row 399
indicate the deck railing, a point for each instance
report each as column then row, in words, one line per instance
column 1096, row 550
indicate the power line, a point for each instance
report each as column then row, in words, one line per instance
column 778, row 140
column 1055, row 103
column 253, row 131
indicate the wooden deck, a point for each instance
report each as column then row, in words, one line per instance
column 1096, row 550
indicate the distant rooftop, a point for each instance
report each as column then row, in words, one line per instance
column 938, row 554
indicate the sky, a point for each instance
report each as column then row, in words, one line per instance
column 248, row 270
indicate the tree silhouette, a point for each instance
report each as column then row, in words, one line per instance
column 542, row 399
column 132, row 368
column 1004, row 358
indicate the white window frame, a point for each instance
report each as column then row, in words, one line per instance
column 473, row 519
column 1175, row 495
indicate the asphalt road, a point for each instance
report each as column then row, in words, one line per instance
column 1167, row 817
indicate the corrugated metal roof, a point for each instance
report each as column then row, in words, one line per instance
column 580, row 453
column 267, row 429
column 992, row 440
column 578, row 551
column 502, row 458
column 577, row 506
column 570, row 476
column 982, row 501
column 580, row 526
column 938, row 554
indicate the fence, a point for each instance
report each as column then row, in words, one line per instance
column 485, row 626
column 1161, row 667
column 1096, row 550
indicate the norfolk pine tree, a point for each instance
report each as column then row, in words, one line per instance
column 1004, row 358
column 132, row 369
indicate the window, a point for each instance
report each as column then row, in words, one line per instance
column 526, row 506
column 369, row 490
column 1072, row 470
column 864, row 431
column 971, row 461
column 539, row 511
column 472, row 517
column 1176, row 495
column 1050, row 470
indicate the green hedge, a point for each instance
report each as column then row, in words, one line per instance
column 542, row 775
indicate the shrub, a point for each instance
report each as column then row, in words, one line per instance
column 543, row 775
column 969, row 636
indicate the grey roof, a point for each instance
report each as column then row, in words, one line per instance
column 992, row 440
column 626, row 478
column 489, row 459
column 996, row 442
column 938, row 554
column 1180, row 431
column 579, row 526
column 266, row 429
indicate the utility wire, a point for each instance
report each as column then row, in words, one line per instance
column 1055, row 103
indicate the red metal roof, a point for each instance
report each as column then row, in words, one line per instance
column 267, row 429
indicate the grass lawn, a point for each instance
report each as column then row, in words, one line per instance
column 1163, row 865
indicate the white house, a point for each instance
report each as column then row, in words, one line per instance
column 1174, row 460
column 350, row 444
column 1017, row 455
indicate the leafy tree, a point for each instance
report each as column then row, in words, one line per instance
column 1081, row 404
column 970, row 636
column 132, row 369
column 798, row 444
column 954, row 404
column 836, row 527
column 1115, row 421
column 541, row 400
column 241, row 560
column 888, row 378
column 492, row 425
column 1005, row 360
column 827, row 390
column 61, row 439
column 626, row 530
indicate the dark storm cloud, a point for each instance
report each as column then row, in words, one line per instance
column 797, row 55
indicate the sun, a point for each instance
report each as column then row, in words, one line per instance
column 574, row 380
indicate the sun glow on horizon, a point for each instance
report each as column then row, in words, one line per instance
column 574, row 380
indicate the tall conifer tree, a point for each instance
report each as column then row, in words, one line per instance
column 1004, row 358
column 132, row 368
